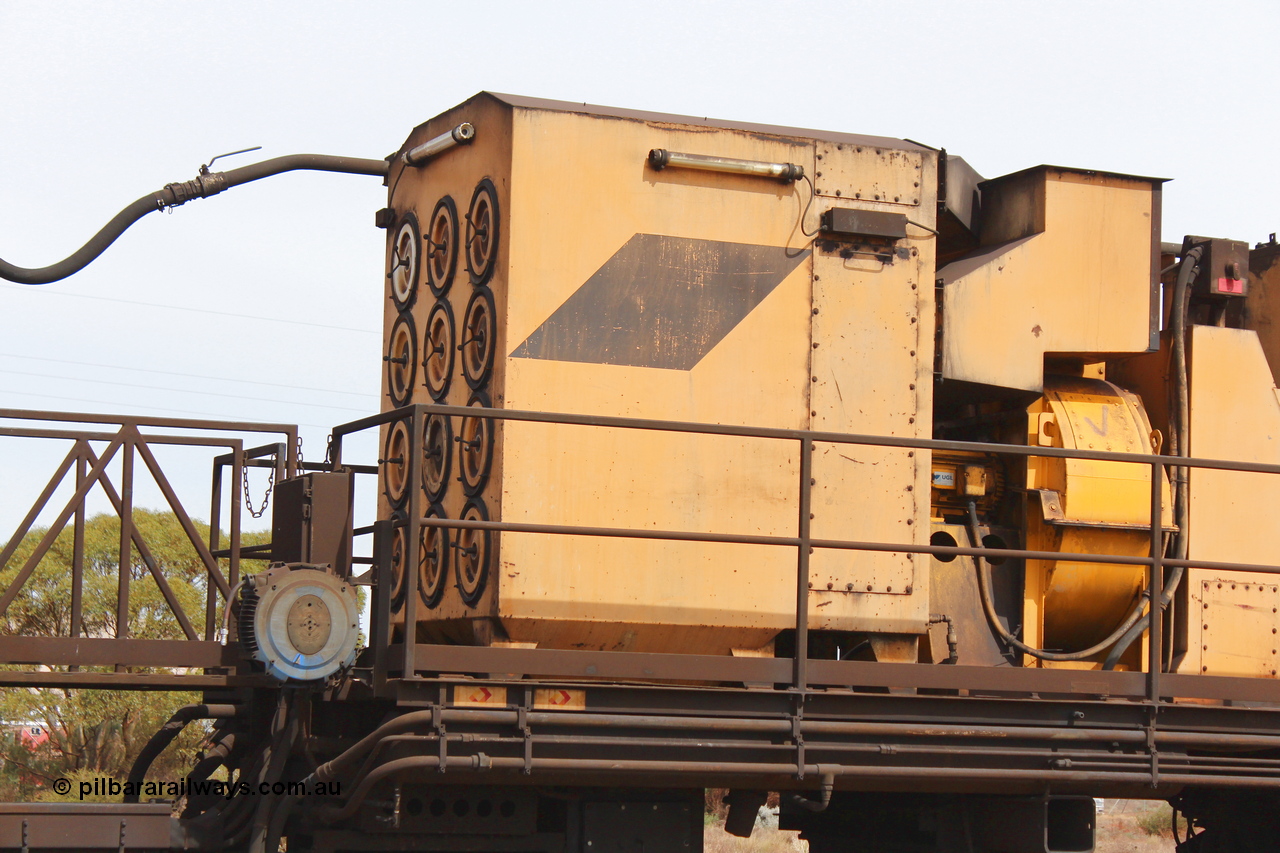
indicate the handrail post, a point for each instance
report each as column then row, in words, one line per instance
column 291, row 454
column 130, row 436
column 77, row 550
column 211, row 624
column 1155, row 586
column 802, row 565
column 380, row 629
column 335, row 450
column 233, row 531
column 413, row 538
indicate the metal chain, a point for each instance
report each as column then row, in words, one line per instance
column 300, row 469
column 248, row 501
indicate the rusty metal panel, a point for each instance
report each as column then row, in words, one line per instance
column 1238, row 617
column 1235, row 414
column 524, row 102
column 953, row 592
column 1261, row 312
column 1066, row 267
column 688, row 301
column 632, row 826
column 101, row 651
column 886, row 174
column 872, row 364
column 85, row 826
column 311, row 521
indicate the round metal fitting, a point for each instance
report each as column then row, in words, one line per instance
column 479, row 338
column 475, row 550
column 437, row 351
column 442, row 246
column 482, row 232
column 303, row 624
column 397, row 560
column 475, row 447
column 402, row 360
column 433, row 560
column 406, row 249
column 437, row 453
column 395, row 463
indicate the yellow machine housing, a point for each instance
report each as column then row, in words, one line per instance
column 548, row 263
column 1068, row 264
column 618, row 289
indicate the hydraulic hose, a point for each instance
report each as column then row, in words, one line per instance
column 988, row 607
column 1179, row 445
column 165, row 736
column 204, row 185
column 213, row 758
column 333, row 769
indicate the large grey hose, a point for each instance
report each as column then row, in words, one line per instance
column 1179, row 445
column 206, row 184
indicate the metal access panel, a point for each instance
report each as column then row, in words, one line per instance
column 1231, row 385
column 1238, row 616
column 639, row 827
column 698, row 298
column 311, row 521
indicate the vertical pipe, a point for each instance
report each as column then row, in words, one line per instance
column 126, row 535
column 1155, row 587
column 413, row 535
column 380, row 617
column 802, row 565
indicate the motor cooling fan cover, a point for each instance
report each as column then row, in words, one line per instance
column 302, row 623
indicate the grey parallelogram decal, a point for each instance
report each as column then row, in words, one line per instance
column 661, row 302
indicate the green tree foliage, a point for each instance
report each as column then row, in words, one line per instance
column 99, row 732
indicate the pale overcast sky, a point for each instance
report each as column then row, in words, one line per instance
column 103, row 102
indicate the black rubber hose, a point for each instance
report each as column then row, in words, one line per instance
column 173, row 195
column 333, row 769
column 988, row 607
column 165, row 736
column 212, row 760
column 1179, row 445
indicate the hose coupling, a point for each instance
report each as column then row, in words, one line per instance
column 204, row 185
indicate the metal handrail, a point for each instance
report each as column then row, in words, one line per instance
column 129, row 443
column 803, row 541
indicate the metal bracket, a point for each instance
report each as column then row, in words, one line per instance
column 437, row 722
column 522, row 722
